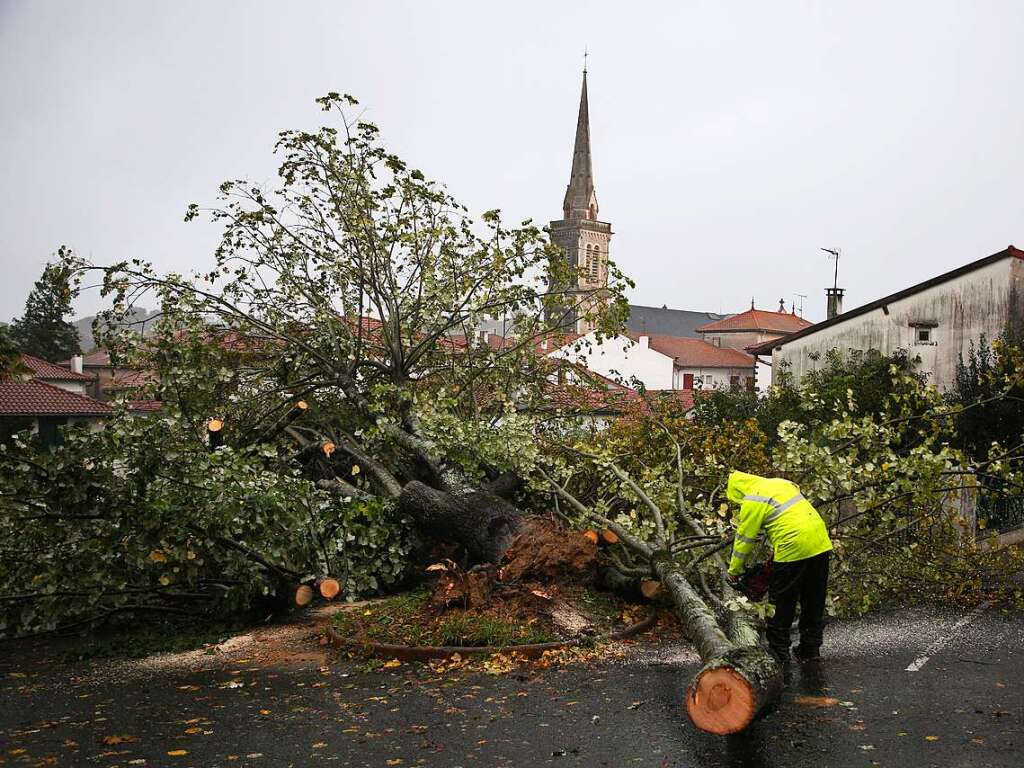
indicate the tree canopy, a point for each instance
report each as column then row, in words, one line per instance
column 43, row 330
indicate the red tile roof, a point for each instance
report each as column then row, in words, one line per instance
column 757, row 320
column 697, row 353
column 132, row 379
column 144, row 406
column 37, row 398
column 51, row 371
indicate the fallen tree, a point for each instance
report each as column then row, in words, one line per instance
column 326, row 392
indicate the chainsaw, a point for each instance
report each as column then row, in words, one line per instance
column 754, row 583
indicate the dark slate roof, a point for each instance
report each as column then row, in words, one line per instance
column 668, row 322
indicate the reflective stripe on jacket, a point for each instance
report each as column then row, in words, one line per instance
column 794, row 528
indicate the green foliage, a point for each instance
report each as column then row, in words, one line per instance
column 142, row 517
column 854, row 382
column 42, row 330
column 875, row 458
column 989, row 390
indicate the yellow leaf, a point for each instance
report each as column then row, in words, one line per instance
column 111, row 740
column 355, row 469
column 177, row 753
column 264, row 711
column 194, row 729
column 931, row 738
column 157, row 556
column 394, row 761
column 392, row 664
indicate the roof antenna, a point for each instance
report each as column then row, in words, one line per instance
column 585, row 54
column 835, row 254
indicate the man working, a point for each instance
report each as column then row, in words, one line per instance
column 801, row 546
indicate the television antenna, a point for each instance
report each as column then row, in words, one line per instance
column 800, row 296
column 834, row 253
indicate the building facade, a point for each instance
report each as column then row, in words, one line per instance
column 661, row 362
column 937, row 321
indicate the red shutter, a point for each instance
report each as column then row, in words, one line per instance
column 687, row 381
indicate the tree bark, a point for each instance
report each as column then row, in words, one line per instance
column 482, row 522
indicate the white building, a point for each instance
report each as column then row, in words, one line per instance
column 661, row 362
column 936, row 320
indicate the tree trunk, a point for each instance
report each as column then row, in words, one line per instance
column 482, row 522
column 739, row 679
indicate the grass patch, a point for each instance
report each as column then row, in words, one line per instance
column 406, row 620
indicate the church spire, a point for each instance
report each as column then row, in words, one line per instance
column 580, row 200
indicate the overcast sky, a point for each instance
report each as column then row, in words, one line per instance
column 731, row 140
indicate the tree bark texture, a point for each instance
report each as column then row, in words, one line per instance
column 484, row 523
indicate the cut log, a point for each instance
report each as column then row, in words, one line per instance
column 303, row 595
column 592, row 536
column 738, row 681
column 214, row 436
column 485, row 524
column 729, row 693
column 328, row 587
column 609, row 538
column 649, row 588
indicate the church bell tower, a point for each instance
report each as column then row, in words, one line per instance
column 582, row 239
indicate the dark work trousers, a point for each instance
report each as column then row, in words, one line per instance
column 806, row 582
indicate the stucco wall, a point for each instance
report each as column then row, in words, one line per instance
column 721, row 376
column 620, row 357
column 962, row 309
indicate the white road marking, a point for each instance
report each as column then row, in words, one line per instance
column 931, row 650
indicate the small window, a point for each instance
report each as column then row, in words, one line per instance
column 923, row 335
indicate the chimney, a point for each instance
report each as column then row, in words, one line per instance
column 77, row 362
column 834, row 299
column 643, row 341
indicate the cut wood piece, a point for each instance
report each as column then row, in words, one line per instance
column 215, row 425
column 649, row 588
column 329, row 588
column 303, row 595
column 328, row 448
column 729, row 693
column 591, row 536
column 609, row 537
column 302, row 405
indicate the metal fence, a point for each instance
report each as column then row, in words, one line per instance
column 999, row 511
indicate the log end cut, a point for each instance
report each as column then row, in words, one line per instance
column 303, row 595
column 329, row 588
column 731, row 692
column 721, row 702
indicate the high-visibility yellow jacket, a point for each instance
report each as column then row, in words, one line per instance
column 794, row 528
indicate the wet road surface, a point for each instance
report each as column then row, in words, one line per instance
column 963, row 706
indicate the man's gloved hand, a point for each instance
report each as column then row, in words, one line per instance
column 734, row 581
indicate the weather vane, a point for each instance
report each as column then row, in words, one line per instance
column 585, row 54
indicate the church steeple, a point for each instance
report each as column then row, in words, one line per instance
column 580, row 200
column 583, row 240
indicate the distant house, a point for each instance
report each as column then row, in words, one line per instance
column 662, row 362
column 46, row 397
column 937, row 320
column 751, row 328
column 71, row 379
